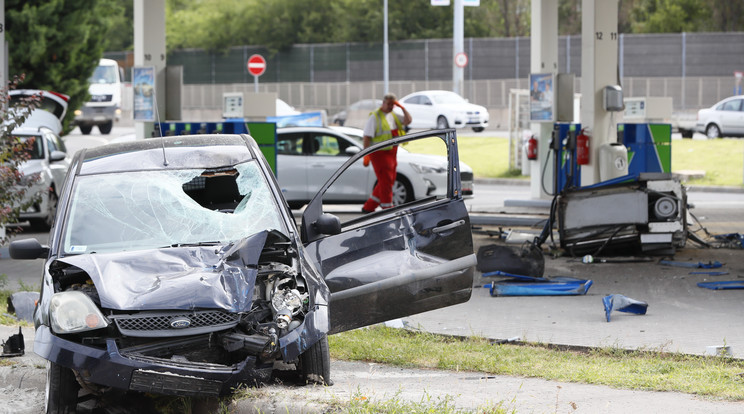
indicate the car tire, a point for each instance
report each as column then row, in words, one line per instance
column 442, row 122
column 106, row 128
column 712, row 131
column 85, row 129
column 315, row 363
column 402, row 191
column 478, row 129
column 686, row 133
column 45, row 223
column 61, row 390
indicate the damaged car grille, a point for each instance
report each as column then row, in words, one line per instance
column 164, row 324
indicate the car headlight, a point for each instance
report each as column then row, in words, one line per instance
column 78, row 112
column 72, row 312
column 427, row 169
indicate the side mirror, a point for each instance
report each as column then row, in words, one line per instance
column 57, row 156
column 328, row 224
column 351, row 150
column 27, row 249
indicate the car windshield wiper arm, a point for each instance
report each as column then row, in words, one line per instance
column 206, row 243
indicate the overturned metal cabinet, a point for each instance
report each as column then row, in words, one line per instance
column 647, row 215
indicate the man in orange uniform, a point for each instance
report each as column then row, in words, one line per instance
column 382, row 125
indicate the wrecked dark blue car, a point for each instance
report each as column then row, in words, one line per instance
column 176, row 267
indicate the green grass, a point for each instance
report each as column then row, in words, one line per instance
column 722, row 160
column 649, row 370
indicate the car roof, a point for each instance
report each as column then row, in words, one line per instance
column 25, row 130
column 303, row 129
column 180, row 152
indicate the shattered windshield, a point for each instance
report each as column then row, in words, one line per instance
column 150, row 209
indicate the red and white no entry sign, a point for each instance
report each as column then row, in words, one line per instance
column 461, row 60
column 256, row 65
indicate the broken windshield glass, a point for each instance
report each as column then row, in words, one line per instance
column 147, row 209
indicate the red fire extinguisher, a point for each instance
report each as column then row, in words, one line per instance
column 532, row 148
column 582, row 148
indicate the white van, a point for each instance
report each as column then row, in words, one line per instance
column 104, row 106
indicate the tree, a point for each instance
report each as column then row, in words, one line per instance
column 13, row 152
column 670, row 16
column 57, row 43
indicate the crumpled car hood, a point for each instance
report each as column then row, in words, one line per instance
column 210, row 277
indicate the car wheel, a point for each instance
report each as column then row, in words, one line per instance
column 45, row 223
column 85, row 129
column 442, row 122
column 61, row 390
column 478, row 129
column 402, row 191
column 686, row 133
column 712, row 131
column 106, row 128
column 315, row 363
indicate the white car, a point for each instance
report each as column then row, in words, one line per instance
column 444, row 109
column 307, row 156
column 49, row 161
column 726, row 118
column 47, row 168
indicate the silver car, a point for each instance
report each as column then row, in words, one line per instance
column 724, row 119
column 308, row 156
column 46, row 168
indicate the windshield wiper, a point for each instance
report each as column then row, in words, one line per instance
column 197, row 244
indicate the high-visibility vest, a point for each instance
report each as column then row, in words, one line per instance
column 382, row 128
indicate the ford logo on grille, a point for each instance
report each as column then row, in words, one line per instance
column 180, row 322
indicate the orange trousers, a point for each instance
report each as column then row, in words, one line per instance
column 384, row 163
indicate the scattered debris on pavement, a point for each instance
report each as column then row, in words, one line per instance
column 14, row 346
column 622, row 303
column 723, row 285
column 520, row 285
column 693, row 265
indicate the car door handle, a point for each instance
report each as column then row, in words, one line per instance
column 446, row 227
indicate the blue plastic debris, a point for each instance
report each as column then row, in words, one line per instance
column 722, row 285
column 710, row 273
column 730, row 239
column 513, row 276
column 698, row 265
column 554, row 286
column 622, row 303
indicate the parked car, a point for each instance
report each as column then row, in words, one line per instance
column 308, row 156
column 726, row 118
column 175, row 267
column 444, row 109
column 48, row 159
column 356, row 114
column 46, row 169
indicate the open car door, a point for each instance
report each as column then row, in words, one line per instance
column 396, row 262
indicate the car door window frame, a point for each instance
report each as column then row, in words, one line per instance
column 314, row 210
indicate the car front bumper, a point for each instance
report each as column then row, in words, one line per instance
column 134, row 369
column 109, row 367
column 94, row 115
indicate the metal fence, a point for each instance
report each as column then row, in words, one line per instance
column 695, row 69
